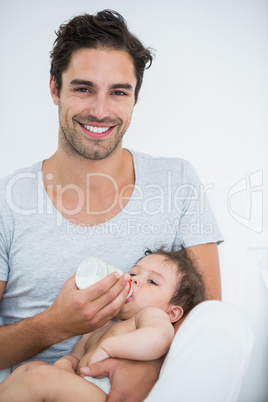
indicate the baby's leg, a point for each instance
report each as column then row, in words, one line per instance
column 20, row 371
column 47, row 383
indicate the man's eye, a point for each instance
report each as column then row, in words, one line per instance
column 152, row 282
column 119, row 93
column 83, row 90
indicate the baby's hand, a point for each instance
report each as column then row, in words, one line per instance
column 99, row 355
column 67, row 363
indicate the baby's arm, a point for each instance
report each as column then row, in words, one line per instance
column 70, row 362
column 150, row 338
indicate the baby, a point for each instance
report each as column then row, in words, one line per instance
column 165, row 286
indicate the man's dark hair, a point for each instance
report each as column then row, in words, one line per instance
column 105, row 30
column 191, row 290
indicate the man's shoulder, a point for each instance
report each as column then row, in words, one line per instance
column 26, row 171
column 149, row 165
column 143, row 157
column 20, row 181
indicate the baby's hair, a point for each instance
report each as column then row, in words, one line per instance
column 191, row 289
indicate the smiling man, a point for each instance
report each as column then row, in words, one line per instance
column 96, row 102
column 49, row 210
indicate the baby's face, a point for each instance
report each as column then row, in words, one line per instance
column 154, row 281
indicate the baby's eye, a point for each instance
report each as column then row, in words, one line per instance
column 132, row 274
column 152, row 282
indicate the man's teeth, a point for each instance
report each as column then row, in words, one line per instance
column 98, row 130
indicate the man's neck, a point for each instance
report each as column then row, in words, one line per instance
column 68, row 169
column 74, row 183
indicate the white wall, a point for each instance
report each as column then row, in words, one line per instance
column 204, row 99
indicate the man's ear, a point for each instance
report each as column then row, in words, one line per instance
column 175, row 313
column 54, row 90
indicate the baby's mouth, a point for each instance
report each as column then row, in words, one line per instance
column 130, row 292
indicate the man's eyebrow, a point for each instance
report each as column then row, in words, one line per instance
column 122, row 86
column 77, row 81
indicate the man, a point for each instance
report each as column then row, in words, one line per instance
column 92, row 197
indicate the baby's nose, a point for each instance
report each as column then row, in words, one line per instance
column 135, row 279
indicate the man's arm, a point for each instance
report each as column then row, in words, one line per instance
column 205, row 258
column 74, row 312
column 131, row 380
column 2, row 288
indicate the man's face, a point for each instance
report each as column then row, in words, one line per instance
column 154, row 281
column 95, row 102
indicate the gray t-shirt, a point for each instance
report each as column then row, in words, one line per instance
column 40, row 250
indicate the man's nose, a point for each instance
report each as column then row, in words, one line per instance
column 99, row 106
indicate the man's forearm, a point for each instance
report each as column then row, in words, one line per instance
column 73, row 312
column 26, row 338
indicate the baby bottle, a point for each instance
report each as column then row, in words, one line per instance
column 93, row 270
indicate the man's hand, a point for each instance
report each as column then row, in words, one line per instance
column 131, row 380
column 97, row 356
column 76, row 312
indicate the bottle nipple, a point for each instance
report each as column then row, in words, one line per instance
column 129, row 293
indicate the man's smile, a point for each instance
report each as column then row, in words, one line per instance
column 95, row 129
